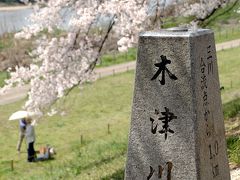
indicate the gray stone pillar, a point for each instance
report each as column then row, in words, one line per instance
column 177, row 129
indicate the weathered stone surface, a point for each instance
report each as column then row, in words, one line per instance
column 191, row 145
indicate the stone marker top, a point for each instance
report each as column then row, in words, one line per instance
column 176, row 32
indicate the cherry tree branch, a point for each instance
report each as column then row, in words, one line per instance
column 111, row 24
column 201, row 20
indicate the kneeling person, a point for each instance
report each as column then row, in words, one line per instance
column 45, row 153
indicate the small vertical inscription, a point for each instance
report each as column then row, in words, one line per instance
column 204, row 89
column 151, row 173
column 160, row 171
column 206, row 69
column 168, row 166
column 213, row 150
column 215, row 170
column 209, row 60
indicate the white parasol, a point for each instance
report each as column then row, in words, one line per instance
column 20, row 115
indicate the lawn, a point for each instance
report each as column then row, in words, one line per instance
column 90, row 130
column 88, row 113
column 79, row 131
column 229, row 63
column 117, row 58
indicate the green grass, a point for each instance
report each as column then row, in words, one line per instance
column 6, row 41
column 233, row 144
column 87, row 113
column 117, row 58
column 231, row 109
column 227, row 34
column 229, row 63
column 169, row 22
column 3, row 76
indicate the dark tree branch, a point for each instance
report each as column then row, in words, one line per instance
column 202, row 20
column 112, row 22
column 140, row 3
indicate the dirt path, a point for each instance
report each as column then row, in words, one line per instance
column 16, row 94
column 14, row 8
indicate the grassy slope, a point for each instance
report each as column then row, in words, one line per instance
column 117, row 58
column 229, row 73
column 87, row 113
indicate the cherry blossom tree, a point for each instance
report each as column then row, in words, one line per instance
column 60, row 64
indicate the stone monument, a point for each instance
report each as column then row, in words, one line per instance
column 177, row 129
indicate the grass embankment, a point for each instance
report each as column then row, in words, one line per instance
column 229, row 63
column 117, row 58
column 88, row 113
column 85, row 149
